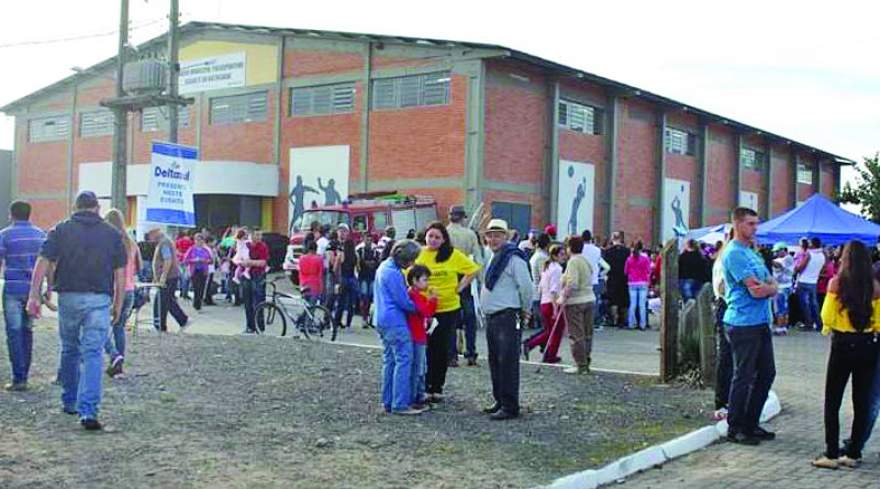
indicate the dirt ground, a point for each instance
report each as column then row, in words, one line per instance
column 214, row 411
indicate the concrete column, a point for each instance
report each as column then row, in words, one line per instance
column 794, row 179
column 836, row 191
column 554, row 154
column 817, row 179
column 472, row 184
column 768, row 182
column 704, row 173
column 366, row 95
column 737, row 174
column 611, row 145
column 661, row 178
column 279, row 103
column 71, row 193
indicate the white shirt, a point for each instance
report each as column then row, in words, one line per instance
column 536, row 266
column 718, row 278
column 784, row 272
column 593, row 254
column 810, row 273
column 322, row 243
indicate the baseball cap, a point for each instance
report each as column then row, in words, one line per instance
column 457, row 210
column 86, row 200
column 780, row 245
column 550, row 229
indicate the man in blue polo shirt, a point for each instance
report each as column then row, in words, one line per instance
column 19, row 246
column 89, row 260
column 749, row 288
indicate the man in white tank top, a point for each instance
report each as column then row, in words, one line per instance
column 808, row 270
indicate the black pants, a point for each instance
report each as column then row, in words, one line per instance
column 168, row 303
column 199, row 280
column 211, row 290
column 504, row 339
column 438, row 351
column 724, row 359
column 855, row 354
column 754, row 370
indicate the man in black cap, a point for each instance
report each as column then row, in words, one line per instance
column 466, row 241
column 89, row 258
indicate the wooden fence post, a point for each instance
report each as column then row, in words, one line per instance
column 706, row 321
column 669, row 296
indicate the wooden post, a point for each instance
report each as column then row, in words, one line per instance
column 708, row 352
column 669, row 296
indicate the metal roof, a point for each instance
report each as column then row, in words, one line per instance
column 622, row 88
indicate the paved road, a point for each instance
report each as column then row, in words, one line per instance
column 783, row 463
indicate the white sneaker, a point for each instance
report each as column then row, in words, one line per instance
column 719, row 415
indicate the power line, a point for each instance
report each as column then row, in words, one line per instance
column 79, row 38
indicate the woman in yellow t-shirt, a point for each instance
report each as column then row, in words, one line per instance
column 851, row 313
column 451, row 272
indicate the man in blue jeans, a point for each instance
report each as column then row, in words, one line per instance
column 747, row 320
column 808, row 271
column 89, row 258
column 19, row 246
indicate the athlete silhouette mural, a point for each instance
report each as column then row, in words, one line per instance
column 297, row 199
column 576, row 205
column 331, row 196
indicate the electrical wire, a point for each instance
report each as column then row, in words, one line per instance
column 79, row 38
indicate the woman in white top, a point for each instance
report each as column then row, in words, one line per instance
column 549, row 288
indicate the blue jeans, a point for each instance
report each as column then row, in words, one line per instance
column 599, row 309
column 536, row 313
column 396, row 368
column 638, row 297
column 754, row 370
column 83, row 322
column 19, row 336
column 115, row 344
column 688, row 288
column 419, row 367
column 348, row 300
column 468, row 322
column 253, row 292
column 780, row 302
column 809, row 305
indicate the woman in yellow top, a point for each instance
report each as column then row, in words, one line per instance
column 851, row 313
column 451, row 272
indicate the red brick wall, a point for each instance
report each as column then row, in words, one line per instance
column 782, row 180
column 46, row 213
column 421, row 142
column 753, row 180
column 42, row 167
column 249, row 141
column 804, row 190
column 686, row 167
column 301, row 62
column 722, row 165
column 637, row 175
column 828, row 179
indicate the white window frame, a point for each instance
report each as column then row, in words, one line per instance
column 578, row 117
column 677, row 142
column 804, row 174
column 341, row 101
column 61, row 129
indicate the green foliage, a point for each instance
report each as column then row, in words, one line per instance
column 866, row 191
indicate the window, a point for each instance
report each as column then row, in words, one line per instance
column 48, row 129
column 751, row 159
column 578, row 117
column 804, row 174
column 403, row 220
column 249, row 107
column 680, row 142
column 518, row 216
column 323, row 100
column 425, row 216
column 380, row 221
column 411, row 91
column 97, row 123
column 359, row 223
column 156, row 118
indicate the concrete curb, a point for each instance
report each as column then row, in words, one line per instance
column 656, row 455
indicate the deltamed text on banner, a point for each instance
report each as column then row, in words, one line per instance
column 170, row 197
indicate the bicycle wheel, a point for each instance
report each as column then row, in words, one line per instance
column 274, row 319
column 319, row 320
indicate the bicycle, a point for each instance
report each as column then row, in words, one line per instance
column 308, row 317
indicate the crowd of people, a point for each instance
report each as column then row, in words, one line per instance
column 425, row 297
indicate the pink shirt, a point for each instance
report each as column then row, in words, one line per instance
column 131, row 268
column 638, row 269
column 551, row 282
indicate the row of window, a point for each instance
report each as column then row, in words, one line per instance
column 98, row 123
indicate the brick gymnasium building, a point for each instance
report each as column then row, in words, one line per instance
column 465, row 123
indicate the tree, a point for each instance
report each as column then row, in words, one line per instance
column 866, row 191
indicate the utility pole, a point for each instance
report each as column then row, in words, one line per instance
column 173, row 70
column 118, row 194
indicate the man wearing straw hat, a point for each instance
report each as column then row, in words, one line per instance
column 505, row 298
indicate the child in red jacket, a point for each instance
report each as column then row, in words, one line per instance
column 417, row 278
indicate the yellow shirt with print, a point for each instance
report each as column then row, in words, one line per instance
column 444, row 276
column 834, row 318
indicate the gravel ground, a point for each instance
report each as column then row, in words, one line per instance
column 203, row 411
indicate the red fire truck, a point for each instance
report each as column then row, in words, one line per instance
column 364, row 213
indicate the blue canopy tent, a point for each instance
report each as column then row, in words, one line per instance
column 821, row 218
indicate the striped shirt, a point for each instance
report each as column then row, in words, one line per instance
column 19, row 247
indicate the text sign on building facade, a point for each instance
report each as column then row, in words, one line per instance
column 170, row 194
column 212, row 73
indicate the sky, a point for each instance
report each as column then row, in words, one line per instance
column 801, row 69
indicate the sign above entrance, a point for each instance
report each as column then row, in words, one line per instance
column 170, row 194
column 212, row 73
